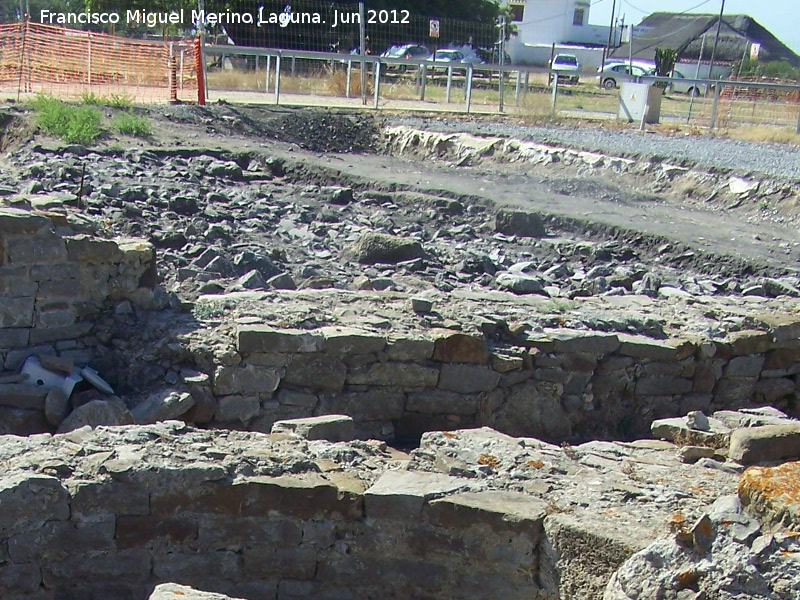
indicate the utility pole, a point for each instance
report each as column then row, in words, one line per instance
column 608, row 44
column 502, row 46
column 716, row 39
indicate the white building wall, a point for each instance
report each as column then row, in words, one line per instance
column 547, row 21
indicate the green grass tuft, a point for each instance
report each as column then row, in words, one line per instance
column 73, row 124
column 128, row 123
column 112, row 101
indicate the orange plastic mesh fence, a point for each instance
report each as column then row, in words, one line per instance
column 70, row 63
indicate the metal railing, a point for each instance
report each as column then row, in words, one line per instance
column 553, row 98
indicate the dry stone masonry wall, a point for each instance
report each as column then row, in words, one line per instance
column 558, row 385
column 54, row 279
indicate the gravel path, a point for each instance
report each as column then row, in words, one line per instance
column 776, row 160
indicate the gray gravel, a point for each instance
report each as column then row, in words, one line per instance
column 776, row 160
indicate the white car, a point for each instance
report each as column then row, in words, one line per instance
column 614, row 74
column 567, row 67
column 454, row 56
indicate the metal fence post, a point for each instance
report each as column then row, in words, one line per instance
column 527, row 80
column 519, row 84
column 269, row 68
column 377, row 71
column 502, row 88
column 469, row 85
column 424, row 82
column 555, row 95
column 715, row 106
column 797, row 127
column 89, row 60
column 349, row 74
column 449, row 82
column 278, row 79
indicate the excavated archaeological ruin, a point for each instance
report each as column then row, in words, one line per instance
column 254, row 369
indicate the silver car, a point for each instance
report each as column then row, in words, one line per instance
column 693, row 89
column 616, row 73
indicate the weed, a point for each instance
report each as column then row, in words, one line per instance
column 74, row 124
column 763, row 205
column 113, row 101
column 128, row 123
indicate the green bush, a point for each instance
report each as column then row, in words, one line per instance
column 74, row 124
column 128, row 123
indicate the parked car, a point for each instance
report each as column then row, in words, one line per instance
column 567, row 67
column 407, row 51
column 693, row 89
column 446, row 55
column 614, row 74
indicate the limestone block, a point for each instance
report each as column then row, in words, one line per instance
column 455, row 347
column 581, row 341
column 16, row 312
column 677, row 430
column 394, row 374
column 639, row 346
column 14, row 338
column 142, row 530
column 22, row 395
column 772, row 495
column 468, row 379
column 56, row 406
column 749, row 341
column 402, row 494
column 220, row 531
column 29, row 500
column 246, row 380
column 87, row 249
column 14, row 221
column 769, row 391
column 316, row 371
column 18, row 579
column 407, row 349
column 43, row 248
column 173, row 591
column 20, row 421
column 162, row 406
column 333, row 428
column 94, row 499
column 308, row 496
column 96, row 413
column 766, row 443
column 341, row 340
column 734, row 392
column 131, row 566
column 237, row 408
column 744, row 366
column 519, row 223
column 261, row 338
column 59, row 539
column 501, row 511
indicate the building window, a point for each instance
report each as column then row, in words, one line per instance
column 577, row 18
column 517, row 11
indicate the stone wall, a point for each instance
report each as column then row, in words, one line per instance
column 143, row 506
column 54, row 279
column 558, row 385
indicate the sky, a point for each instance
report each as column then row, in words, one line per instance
column 781, row 17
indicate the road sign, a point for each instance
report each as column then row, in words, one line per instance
column 434, row 28
column 754, row 50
